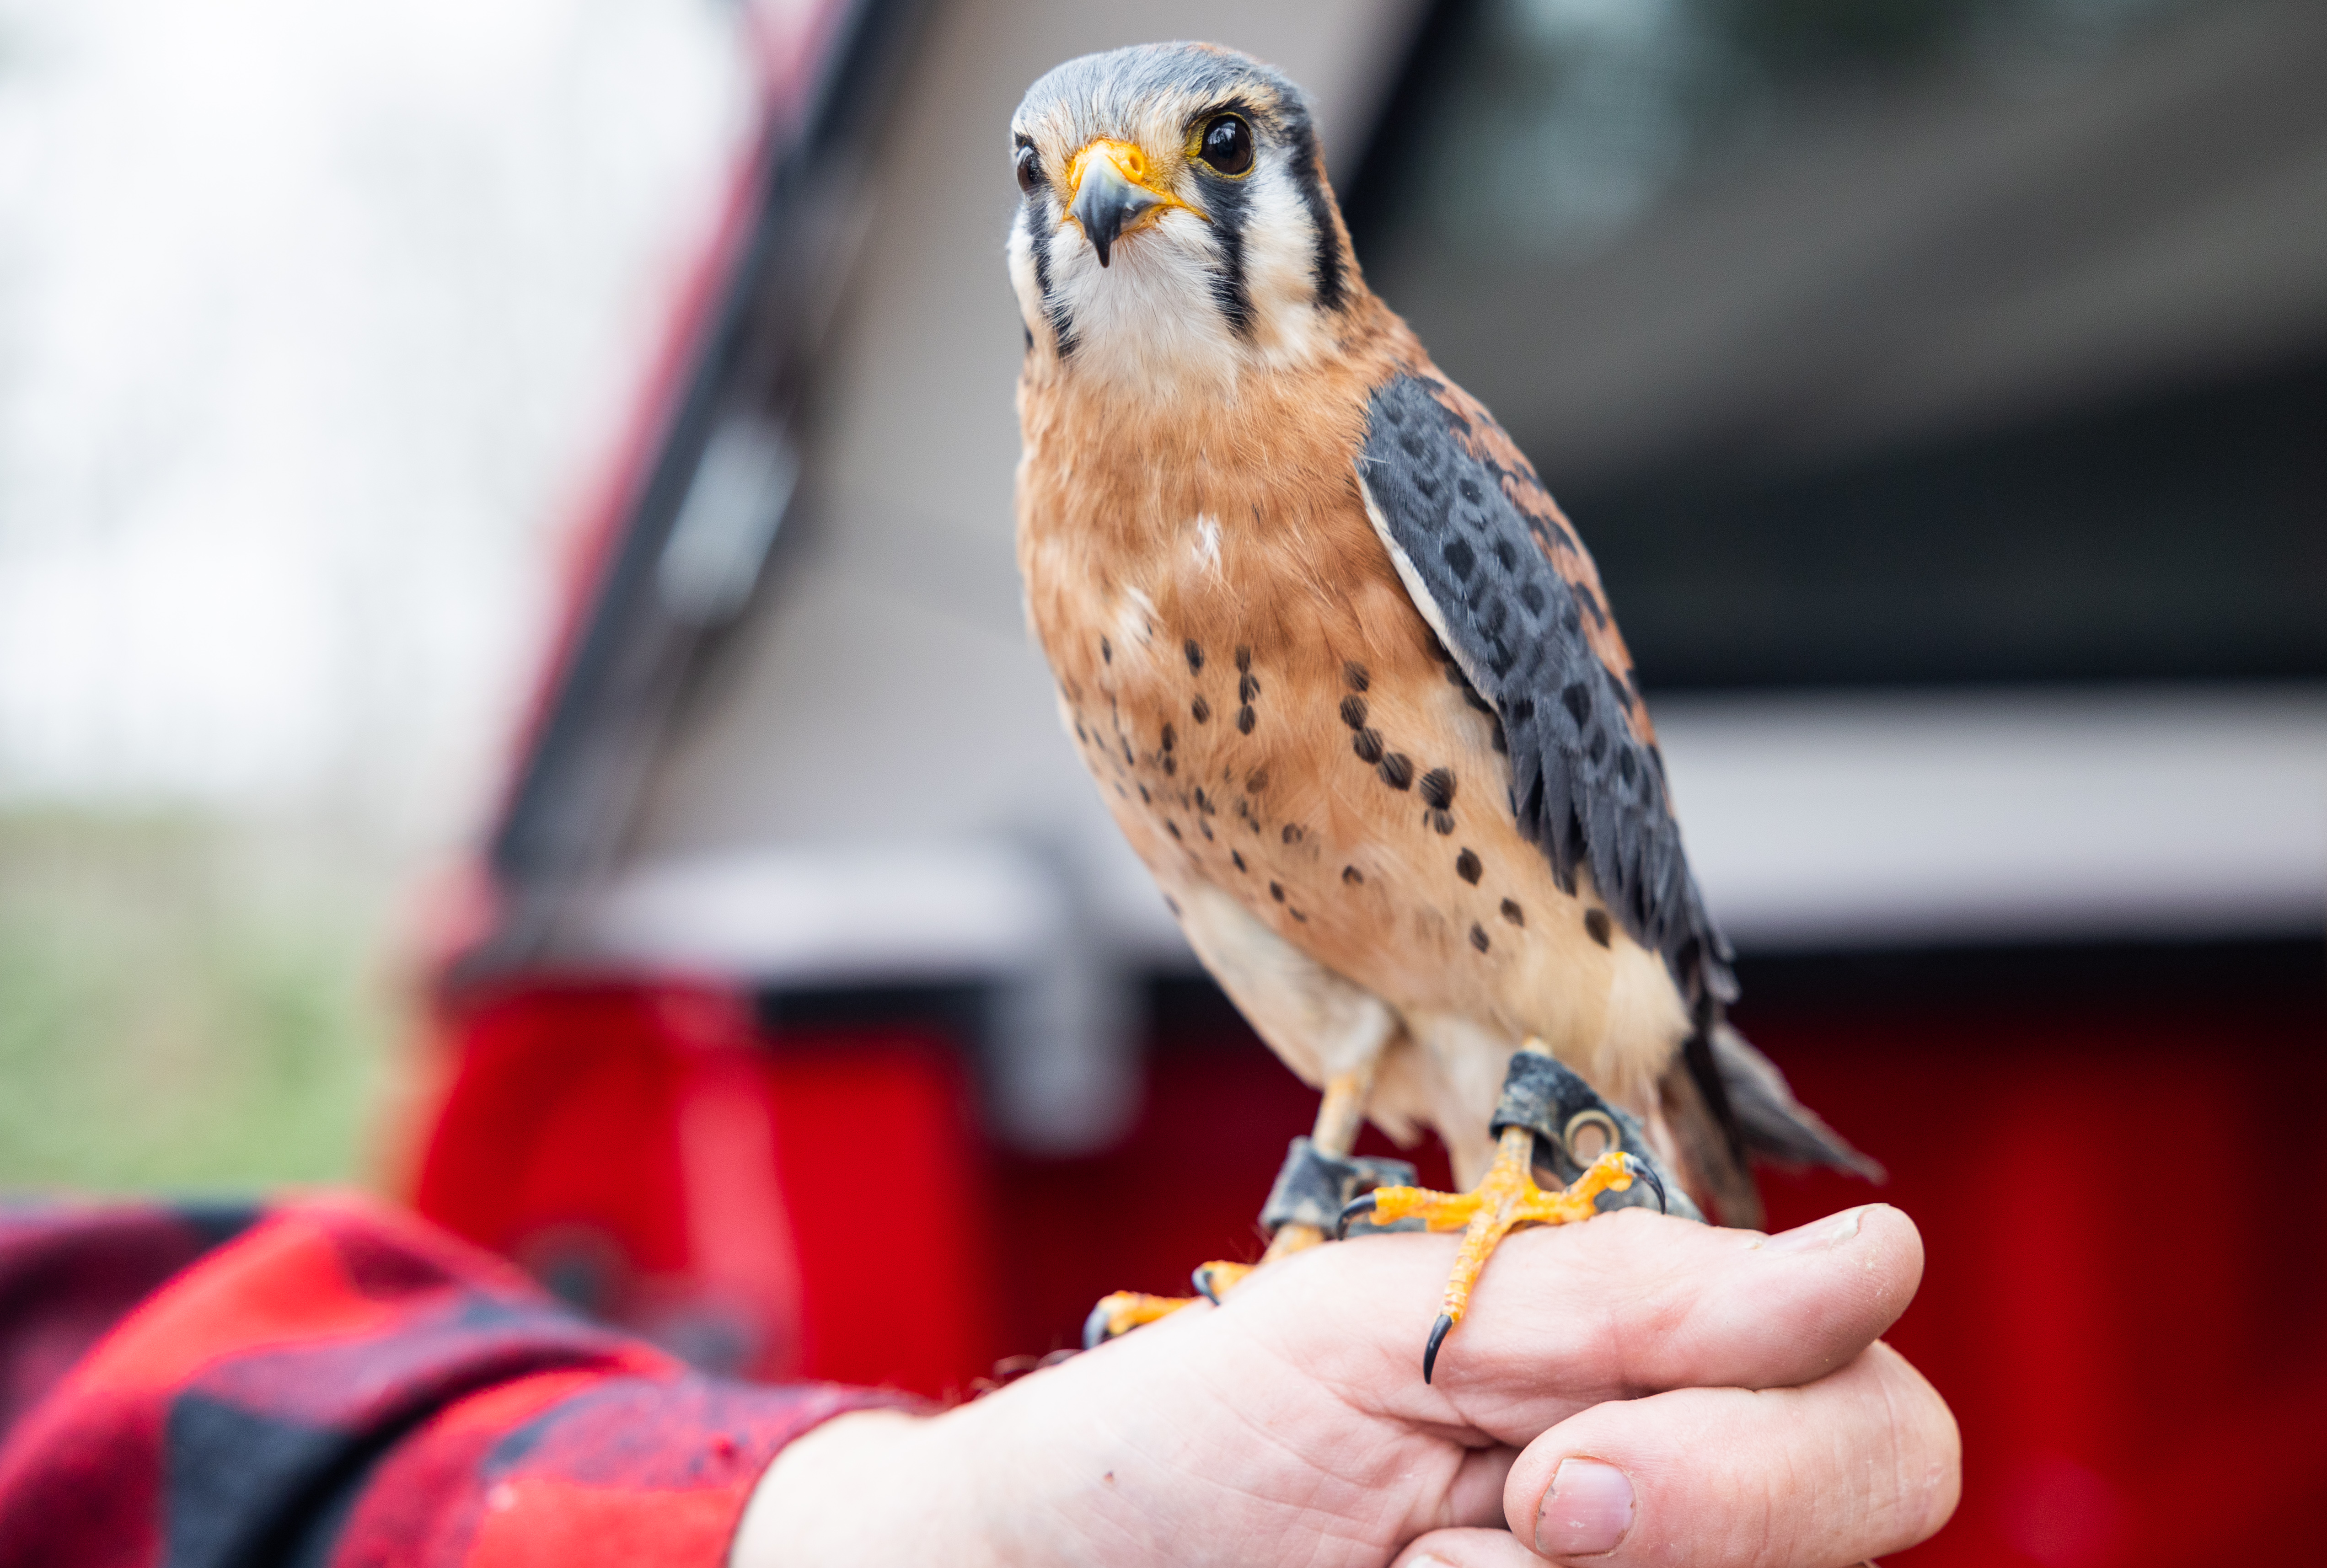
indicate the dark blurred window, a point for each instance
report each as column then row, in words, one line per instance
column 1893, row 340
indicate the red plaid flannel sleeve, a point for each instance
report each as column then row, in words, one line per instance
column 334, row 1383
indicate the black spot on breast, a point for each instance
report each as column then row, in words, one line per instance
column 1296, row 914
column 1238, row 856
column 1200, row 711
column 1171, row 828
column 1203, row 801
column 1467, row 866
column 1256, row 780
column 1171, row 765
column 1353, row 712
column 1355, row 674
column 1170, row 737
column 1080, row 733
column 1276, row 892
column 1397, row 771
column 1107, row 650
column 1479, row 938
column 1243, row 659
column 1247, row 687
column 1144, row 795
column 1367, row 745
column 1441, row 822
column 1513, row 914
column 1195, row 656
column 1353, row 876
column 1438, row 787
column 1246, row 719
column 1292, row 833
column 1595, row 926
column 1205, row 828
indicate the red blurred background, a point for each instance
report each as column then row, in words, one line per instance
column 2125, row 1272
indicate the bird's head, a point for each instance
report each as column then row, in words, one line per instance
column 1173, row 220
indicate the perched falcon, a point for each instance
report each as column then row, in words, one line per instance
column 1348, row 680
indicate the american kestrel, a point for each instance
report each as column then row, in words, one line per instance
column 1347, row 678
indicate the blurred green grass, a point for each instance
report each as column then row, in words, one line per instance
column 186, row 1005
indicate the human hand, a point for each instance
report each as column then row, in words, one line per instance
column 1627, row 1390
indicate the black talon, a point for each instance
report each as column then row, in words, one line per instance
column 1358, row 1209
column 1095, row 1332
column 1650, row 1171
column 1201, row 1278
column 1437, row 1336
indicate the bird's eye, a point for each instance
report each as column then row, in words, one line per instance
column 1030, row 168
column 1225, row 145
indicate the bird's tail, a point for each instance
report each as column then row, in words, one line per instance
column 1778, row 1129
column 1732, row 1109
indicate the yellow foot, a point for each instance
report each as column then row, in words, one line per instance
column 1506, row 1198
column 1124, row 1312
column 1128, row 1309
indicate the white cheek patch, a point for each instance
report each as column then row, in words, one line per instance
column 1280, row 257
column 1018, row 253
column 1148, row 322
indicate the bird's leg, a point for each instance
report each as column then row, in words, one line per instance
column 1338, row 1116
column 1335, row 1134
column 1541, row 1100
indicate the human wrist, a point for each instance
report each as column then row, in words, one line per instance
column 870, row 1489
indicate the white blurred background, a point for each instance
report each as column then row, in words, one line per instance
column 313, row 322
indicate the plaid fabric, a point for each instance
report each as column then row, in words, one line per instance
column 334, row 1383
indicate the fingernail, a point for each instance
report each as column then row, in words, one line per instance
column 1587, row 1512
column 1832, row 1231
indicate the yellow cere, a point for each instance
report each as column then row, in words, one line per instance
column 1130, row 161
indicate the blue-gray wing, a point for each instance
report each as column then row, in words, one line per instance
column 1518, row 603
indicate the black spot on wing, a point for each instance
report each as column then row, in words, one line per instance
column 1583, row 785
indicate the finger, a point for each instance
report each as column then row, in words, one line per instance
column 1862, row 1462
column 1623, row 1305
column 1467, row 1549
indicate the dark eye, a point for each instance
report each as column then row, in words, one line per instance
column 1226, row 144
column 1030, row 168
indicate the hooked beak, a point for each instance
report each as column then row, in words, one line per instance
column 1110, row 196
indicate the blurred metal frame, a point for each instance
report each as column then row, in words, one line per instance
column 698, row 499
